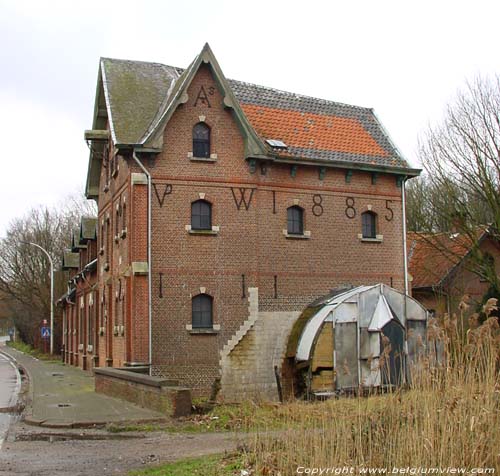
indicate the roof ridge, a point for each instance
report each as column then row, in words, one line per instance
column 305, row 96
column 135, row 61
column 247, row 83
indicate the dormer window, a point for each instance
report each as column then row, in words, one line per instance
column 201, row 140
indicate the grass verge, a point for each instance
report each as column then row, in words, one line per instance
column 214, row 465
column 29, row 350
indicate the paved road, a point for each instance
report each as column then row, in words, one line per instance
column 9, row 388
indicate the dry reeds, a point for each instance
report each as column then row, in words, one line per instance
column 449, row 417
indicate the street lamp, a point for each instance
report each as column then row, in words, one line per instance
column 51, row 292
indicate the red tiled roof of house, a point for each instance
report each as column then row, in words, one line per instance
column 313, row 131
column 432, row 256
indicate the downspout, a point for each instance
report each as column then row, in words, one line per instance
column 148, row 175
column 405, row 258
column 406, row 375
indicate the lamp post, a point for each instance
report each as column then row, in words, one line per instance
column 51, row 292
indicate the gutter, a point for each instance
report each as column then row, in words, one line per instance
column 409, row 172
column 148, row 175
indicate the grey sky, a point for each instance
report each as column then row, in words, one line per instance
column 404, row 59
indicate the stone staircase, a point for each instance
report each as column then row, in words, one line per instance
column 253, row 313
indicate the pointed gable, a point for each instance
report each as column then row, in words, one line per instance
column 153, row 138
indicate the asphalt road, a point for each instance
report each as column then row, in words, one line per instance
column 10, row 384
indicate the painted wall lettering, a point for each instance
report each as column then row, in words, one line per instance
column 317, row 208
column 167, row 191
column 243, row 198
column 161, row 285
column 202, row 97
column 350, row 211
column 389, row 216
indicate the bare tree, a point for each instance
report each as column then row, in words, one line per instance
column 461, row 157
column 24, row 270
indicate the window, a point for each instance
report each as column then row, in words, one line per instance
column 369, row 225
column 202, row 311
column 201, row 215
column 81, row 324
column 91, row 319
column 124, row 216
column 201, row 140
column 107, row 164
column 117, row 222
column 295, row 216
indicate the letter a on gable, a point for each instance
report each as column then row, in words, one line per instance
column 202, row 98
column 153, row 137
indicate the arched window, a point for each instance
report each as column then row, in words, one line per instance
column 201, row 140
column 369, row 225
column 202, row 311
column 201, row 215
column 295, row 218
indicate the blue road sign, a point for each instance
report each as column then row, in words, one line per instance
column 45, row 332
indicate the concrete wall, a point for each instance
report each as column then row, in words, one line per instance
column 248, row 361
column 145, row 391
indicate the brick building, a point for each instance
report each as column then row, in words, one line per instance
column 444, row 267
column 80, row 343
column 224, row 208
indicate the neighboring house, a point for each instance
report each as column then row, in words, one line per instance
column 80, row 304
column 224, row 208
column 442, row 269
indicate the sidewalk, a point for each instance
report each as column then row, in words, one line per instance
column 61, row 396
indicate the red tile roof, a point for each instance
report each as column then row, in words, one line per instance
column 313, row 131
column 431, row 256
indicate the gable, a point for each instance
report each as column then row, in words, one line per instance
column 138, row 99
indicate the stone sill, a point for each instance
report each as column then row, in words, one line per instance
column 211, row 159
column 214, row 231
column 203, row 330
column 291, row 236
column 378, row 239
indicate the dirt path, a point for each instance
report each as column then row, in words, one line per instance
column 116, row 455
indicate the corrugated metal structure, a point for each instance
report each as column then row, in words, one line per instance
column 365, row 337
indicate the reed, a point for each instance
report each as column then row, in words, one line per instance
column 449, row 416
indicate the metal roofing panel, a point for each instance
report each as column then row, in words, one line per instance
column 345, row 312
column 381, row 316
column 346, row 355
column 309, row 333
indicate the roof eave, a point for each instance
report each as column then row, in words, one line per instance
column 408, row 172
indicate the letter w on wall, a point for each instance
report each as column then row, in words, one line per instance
column 241, row 198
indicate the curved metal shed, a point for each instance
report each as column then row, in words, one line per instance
column 365, row 337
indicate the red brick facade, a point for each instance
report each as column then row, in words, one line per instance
column 248, row 246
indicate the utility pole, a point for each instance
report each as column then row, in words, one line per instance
column 51, row 292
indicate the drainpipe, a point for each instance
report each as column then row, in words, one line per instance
column 405, row 259
column 148, row 175
column 406, row 376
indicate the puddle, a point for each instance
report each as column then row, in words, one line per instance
column 52, row 437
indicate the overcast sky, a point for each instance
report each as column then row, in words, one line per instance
column 405, row 59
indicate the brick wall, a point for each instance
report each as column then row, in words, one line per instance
column 249, row 249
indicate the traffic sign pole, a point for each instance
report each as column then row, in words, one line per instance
column 51, row 292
